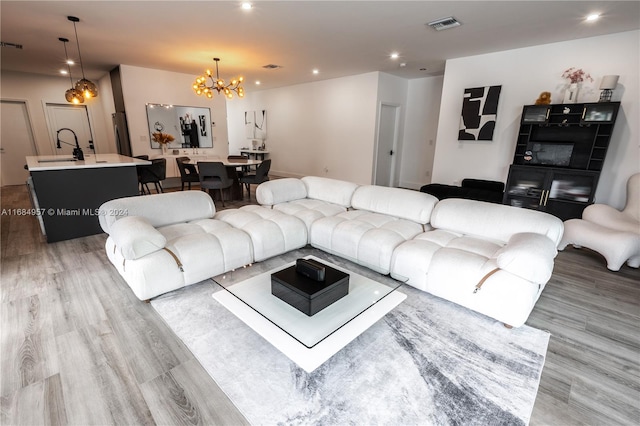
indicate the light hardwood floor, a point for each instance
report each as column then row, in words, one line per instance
column 79, row 348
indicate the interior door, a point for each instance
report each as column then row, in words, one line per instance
column 387, row 145
column 74, row 117
column 16, row 142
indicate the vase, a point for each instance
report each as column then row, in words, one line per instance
column 571, row 94
column 164, row 148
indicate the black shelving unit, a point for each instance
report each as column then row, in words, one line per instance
column 560, row 151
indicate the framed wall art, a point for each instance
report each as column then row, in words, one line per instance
column 479, row 111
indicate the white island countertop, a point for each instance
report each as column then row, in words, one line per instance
column 67, row 162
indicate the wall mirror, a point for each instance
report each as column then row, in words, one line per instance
column 189, row 126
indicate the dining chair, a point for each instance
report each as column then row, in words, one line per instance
column 154, row 173
column 214, row 175
column 188, row 172
column 261, row 175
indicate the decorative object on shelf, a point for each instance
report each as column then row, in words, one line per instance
column 71, row 95
column 607, row 85
column 479, row 111
column 87, row 87
column 202, row 88
column 544, row 98
column 163, row 139
column 575, row 77
column 571, row 94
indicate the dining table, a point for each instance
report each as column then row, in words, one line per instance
column 232, row 166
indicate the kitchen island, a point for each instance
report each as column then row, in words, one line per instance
column 67, row 193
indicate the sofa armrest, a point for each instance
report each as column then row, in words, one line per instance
column 135, row 237
column 529, row 256
column 280, row 191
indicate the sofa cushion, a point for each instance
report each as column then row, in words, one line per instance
column 332, row 191
column 158, row 209
column 271, row 231
column 134, row 237
column 400, row 203
column 493, row 221
column 321, row 197
column 413, row 259
column 208, row 247
column 309, row 210
column 363, row 237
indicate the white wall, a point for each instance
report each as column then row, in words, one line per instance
column 420, row 130
column 144, row 85
column 324, row 128
column 523, row 74
column 38, row 90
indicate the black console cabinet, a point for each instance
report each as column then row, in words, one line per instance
column 559, row 154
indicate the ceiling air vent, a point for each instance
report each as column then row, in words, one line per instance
column 14, row 45
column 272, row 66
column 444, row 23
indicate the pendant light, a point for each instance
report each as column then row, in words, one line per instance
column 72, row 95
column 87, row 87
column 206, row 88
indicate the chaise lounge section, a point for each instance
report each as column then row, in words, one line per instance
column 490, row 258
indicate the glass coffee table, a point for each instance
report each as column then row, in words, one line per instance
column 307, row 340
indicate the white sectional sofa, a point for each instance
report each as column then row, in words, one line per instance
column 491, row 258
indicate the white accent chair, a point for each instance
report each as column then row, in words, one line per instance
column 612, row 233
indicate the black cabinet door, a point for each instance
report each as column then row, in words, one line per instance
column 560, row 192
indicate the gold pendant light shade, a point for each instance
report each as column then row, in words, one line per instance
column 73, row 96
column 87, row 88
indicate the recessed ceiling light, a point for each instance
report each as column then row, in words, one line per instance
column 395, row 55
column 315, row 71
column 593, row 17
column 258, row 83
column 70, row 62
column 63, row 72
column 247, row 6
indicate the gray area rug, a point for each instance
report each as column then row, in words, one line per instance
column 427, row 362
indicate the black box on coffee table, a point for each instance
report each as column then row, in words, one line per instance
column 307, row 295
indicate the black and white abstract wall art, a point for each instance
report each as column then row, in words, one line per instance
column 255, row 124
column 479, row 111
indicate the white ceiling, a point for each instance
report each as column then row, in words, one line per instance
column 338, row 37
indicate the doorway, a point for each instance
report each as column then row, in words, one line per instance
column 386, row 153
column 17, row 142
column 74, row 117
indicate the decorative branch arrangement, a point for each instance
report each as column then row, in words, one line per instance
column 576, row 75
